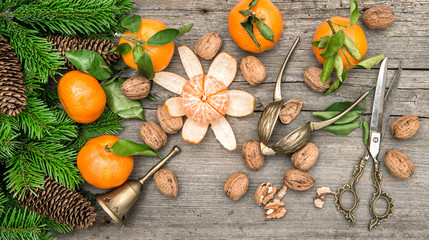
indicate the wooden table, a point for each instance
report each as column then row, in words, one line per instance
column 202, row 211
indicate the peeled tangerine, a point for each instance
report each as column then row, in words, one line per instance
column 205, row 99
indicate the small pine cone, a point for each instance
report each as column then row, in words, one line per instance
column 60, row 204
column 12, row 90
column 64, row 43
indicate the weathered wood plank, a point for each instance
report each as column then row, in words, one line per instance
column 202, row 211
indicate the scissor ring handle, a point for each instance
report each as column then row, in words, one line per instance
column 379, row 193
column 348, row 212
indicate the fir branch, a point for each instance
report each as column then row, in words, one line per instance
column 8, row 138
column 73, row 17
column 109, row 123
column 63, row 129
column 36, row 56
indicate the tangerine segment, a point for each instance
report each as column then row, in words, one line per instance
column 224, row 133
column 241, row 103
column 223, row 68
column 190, row 62
column 170, row 81
column 174, row 107
column 204, row 104
column 194, row 132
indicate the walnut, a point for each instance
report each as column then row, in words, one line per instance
column 298, row 180
column 399, row 164
column 405, row 126
column 136, row 88
column 253, row 70
column 252, row 156
column 208, row 45
column 166, row 182
column 322, row 192
column 305, row 158
column 265, row 193
column 282, row 192
column 153, row 135
column 168, row 123
column 312, row 79
column 290, row 111
column 275, row 209
column 236, row 185
column 379, row 17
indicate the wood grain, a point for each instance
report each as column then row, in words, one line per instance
column 202, row 211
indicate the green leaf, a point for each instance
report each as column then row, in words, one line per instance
column 337, row 84
column 365, row 132
column 245, row 13
column 151, row 98
column 354, row 12
column 121, row 105
column 321, row 42
column 89, row 62
column 345, row 74
column 335, row 43
column 327, row 69
column 146, row 67
column 132, row 23
column 122, row 48
column 341, row 106
column 368, row 63
column 129, row 148
column 248, row 25
column 350, row 47
column 163, row 37
column 338, row 64
column 252, row 3
column 185, row 29
column 265, row 31
column 349, row 117
column 343, row 129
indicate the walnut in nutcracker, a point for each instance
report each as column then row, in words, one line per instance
column 252, row 156
column 312, row 79
column 166, row 182
column 236, row 185
column 169, row 124
column 208, row 45
column 306, row 157
column 405, row 127
column 153, row 135
column 135, row 88
column 253, row 70
column 290, row 111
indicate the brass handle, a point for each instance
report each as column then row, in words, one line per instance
column 357, row 173
column 379, row 193
column 155, row 168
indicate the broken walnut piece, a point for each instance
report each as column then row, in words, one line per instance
column 275, row 209
column 282, row 192
column 319, row 201
column 265, row 193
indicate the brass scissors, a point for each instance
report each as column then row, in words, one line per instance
column 377, row 128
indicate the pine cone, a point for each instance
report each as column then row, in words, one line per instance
column 60, row 204
column 64, row 43
column 12, row 89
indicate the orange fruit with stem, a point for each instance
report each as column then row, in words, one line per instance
column 102, row 168
column 82, row 96
column 160, row 55
column 355, row 33
column 264, row 9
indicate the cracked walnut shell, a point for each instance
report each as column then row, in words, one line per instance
column 264, row 193
column 136, row 88
column 405, row 126
column 298, row 180
column 275, row 209
column 208, row 45
column 399, row 164
column 166, row 181
column 312, row 79
column 305, row 158
column 169, row 124
column 236, row 185
column 290, row 111
column 253, row 70
column 153, row 135
column 252, row 156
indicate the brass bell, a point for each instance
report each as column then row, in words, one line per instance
column 118, row 202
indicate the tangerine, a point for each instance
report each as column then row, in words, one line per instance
column 355, row 33
column 82, row 96
column 102, row 168
column 160, row 55
column 263, row 9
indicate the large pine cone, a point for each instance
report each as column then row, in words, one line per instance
column 12, row 89
column 64, row 44
column 60, row 204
